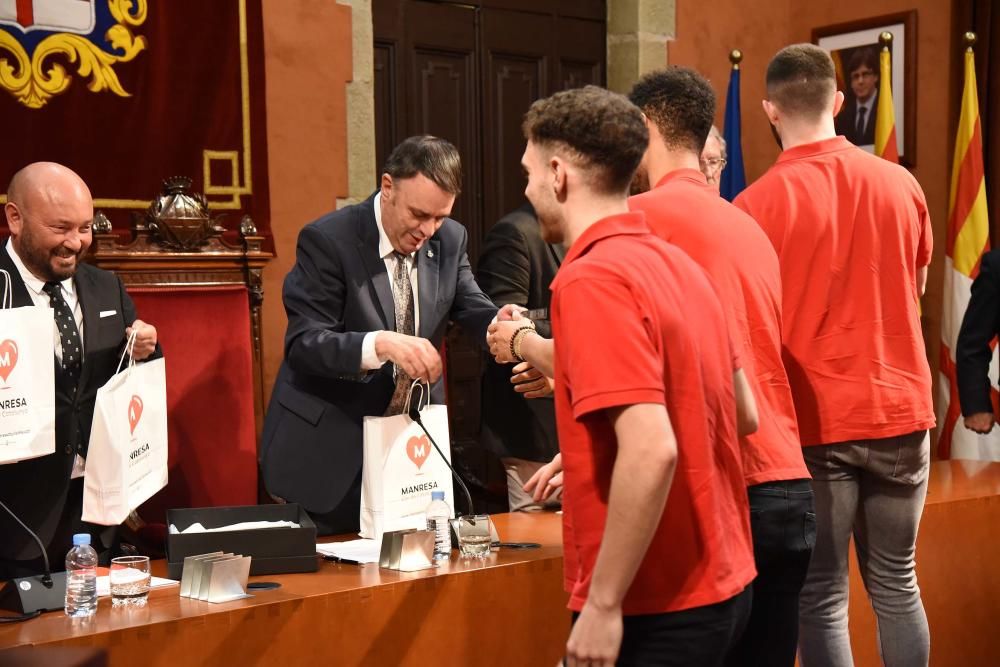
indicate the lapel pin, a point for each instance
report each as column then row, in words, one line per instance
column 430, row 253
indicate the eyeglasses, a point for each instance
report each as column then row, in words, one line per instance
column 713, row 164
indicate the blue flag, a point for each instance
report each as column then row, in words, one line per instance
column 733, row 177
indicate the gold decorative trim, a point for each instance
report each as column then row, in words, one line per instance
column 33, row 85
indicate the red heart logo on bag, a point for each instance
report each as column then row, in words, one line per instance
column 418, row 449
column 134, row 413
column 8, row 358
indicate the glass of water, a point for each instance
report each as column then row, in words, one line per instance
column 129, row 578
column 474, row 536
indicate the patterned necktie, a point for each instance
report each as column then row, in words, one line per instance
column 402, row 296
column 69, row 335
column 862, row 111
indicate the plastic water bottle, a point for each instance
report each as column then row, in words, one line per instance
column 438, row 514
column 81, row 577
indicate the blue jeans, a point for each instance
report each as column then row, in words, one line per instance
column 783, row 522
column 873, row 490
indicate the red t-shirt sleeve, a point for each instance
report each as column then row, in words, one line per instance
column 608, row 347
column 926, row 244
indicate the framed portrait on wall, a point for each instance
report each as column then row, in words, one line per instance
column 854, row 47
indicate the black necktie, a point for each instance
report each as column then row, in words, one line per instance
column 861, row 120
column 69, row 336
column 402, row 295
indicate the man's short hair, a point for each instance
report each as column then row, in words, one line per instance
column 680, row 102
column 433, row 157
column 865, row 56
column 801, row 80
column 602, row 132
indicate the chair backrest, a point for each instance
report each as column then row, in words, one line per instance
column 203, row 292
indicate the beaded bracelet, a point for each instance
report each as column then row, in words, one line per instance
column 516, row 339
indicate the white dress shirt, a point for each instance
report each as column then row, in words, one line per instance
column 40, row 298
column 369, row 359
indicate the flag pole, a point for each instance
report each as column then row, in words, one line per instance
column 733, row 178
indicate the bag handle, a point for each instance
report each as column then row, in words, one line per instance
column 8, row 291
column 423, row 401
column 129, row 348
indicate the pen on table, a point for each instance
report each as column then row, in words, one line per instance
column 338, row 559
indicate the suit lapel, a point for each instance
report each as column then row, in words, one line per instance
column 377, row 276
column 428, row 272
column 85, row 293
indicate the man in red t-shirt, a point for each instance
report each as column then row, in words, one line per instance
column 685, row 210
column 655, row 519
column 853, row 239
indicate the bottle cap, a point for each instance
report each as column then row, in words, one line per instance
column 81, row 538
column 437, row 495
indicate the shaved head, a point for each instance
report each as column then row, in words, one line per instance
column 49, row 212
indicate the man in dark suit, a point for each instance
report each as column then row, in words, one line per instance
column 373, row 288
column 856, row 121
column 973, row 352
column 49, row 212
column 519, row 425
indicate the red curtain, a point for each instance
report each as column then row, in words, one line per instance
column 205, row 336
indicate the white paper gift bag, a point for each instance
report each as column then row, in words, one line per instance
column 401, row 468
column 127, row 455
column 27, row 380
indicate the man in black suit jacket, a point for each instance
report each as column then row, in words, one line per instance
column 346, row 344
column 856, row 121
column 49, row 212
column 972, row 352
column 519, row 425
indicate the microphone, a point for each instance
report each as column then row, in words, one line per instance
column 23, row 595
column 47, row 577
column 415, row 416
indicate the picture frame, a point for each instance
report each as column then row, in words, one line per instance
column 854, row 46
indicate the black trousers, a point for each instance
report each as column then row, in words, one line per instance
column 698, row 637
column 783, row 522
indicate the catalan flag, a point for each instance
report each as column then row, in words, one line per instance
column 885, row 114
column 967, row 240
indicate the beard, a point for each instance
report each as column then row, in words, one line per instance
column 39, row 260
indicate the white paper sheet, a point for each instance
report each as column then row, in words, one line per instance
column 246, row 525
column 359, row 551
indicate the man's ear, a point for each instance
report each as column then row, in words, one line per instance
column 14, row 220
column 559, row 177
column 838, row 102
column 771, row 111
column 386, row 185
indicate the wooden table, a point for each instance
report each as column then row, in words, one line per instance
column 507, row 610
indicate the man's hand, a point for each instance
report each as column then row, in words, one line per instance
column 511, row 313
column 596, row 637
column 980, row 422
column 529, row 381
column 416, row 356
column 498, row 339
column 546, row 480
column 145, row 339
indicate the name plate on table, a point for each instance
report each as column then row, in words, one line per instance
column 215, row 577
column 407, row 550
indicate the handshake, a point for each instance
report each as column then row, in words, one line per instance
column 505, row 339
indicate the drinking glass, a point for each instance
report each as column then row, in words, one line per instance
column 474, row 536
column 129, row 578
